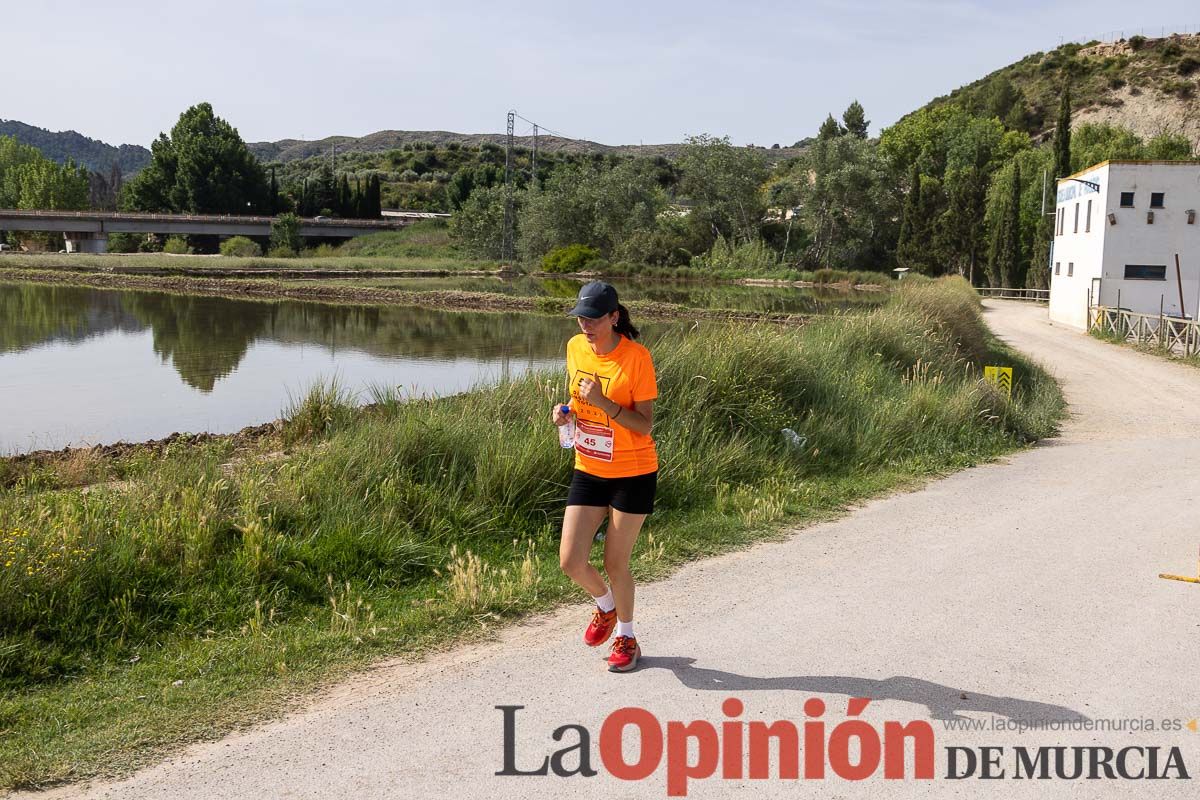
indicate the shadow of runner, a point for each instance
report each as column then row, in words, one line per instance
column 943, row 702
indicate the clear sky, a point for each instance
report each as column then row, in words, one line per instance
column 613, row 72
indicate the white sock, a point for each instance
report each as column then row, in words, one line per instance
column 625, row 629
column 606, row 603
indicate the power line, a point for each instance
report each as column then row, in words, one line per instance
column 536, row 129
column 541, row 127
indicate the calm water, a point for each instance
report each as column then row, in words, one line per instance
column 88, row 366
column 788, row 300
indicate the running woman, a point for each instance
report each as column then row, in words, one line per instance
column 613, row 387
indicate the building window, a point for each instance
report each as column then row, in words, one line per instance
column 1087, row 223
column 1060, row 222
column 1156, row 199
column 1126, row 199
column 1145, row 272
column 1057, row 267
column 1076, row 218
column 1070, row 268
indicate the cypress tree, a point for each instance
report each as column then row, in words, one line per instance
column 375, row 206
column 1015, row 265
column 908, row 244
column 1004, row 259
column 325, row 191
column 344, row 201
column 1062, row 136
column 274, row 192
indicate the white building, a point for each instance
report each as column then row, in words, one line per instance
column 1117, row 229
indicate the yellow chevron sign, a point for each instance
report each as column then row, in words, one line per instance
column 1001, row 376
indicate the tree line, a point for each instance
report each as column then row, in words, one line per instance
column 204, row 167
column 945, row 190
column 29, row 180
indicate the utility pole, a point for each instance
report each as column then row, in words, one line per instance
column 533, row 169
column 507, row 242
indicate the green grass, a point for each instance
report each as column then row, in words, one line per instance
column 826, row 277
column 253, row 577
column 425, row 239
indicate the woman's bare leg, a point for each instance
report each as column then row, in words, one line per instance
column 622, row 534
column 580, row 524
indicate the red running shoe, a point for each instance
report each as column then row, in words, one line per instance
column 600, row 628
column 625, row 654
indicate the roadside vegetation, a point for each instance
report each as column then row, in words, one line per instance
column 190, row 588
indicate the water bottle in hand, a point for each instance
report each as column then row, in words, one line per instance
column 566, row 433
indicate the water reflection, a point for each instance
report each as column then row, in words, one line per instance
column 205, row 338
column 89, row 366
column 33, row 315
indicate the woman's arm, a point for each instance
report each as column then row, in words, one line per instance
column 639, row 419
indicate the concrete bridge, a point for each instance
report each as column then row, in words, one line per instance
column 87, row 231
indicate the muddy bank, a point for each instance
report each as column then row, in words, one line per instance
column 15, row 467
column 255, row 288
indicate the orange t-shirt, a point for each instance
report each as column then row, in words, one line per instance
column 605, row 448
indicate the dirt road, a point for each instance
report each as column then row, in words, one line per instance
column 1020, row 592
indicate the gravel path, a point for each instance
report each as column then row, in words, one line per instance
column 1025, row 590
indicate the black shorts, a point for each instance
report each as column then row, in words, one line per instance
column 633, row 495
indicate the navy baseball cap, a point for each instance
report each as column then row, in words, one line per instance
column 595, row 300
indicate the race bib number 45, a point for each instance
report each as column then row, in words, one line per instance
column 594, row 441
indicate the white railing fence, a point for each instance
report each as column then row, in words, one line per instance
column 1175, row 334
column 1001, row 293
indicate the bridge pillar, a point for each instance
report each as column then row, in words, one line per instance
column 86, row 242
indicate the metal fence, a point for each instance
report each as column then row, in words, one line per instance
column 1175, row 334
column 1001, row 293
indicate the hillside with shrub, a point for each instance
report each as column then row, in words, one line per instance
column 1147, row 86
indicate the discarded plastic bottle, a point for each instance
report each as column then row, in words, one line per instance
column 566, row 433
column 793, row 439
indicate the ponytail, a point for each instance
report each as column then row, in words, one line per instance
column 624, row 324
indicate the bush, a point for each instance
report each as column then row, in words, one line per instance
column 725, row 256
column 1170, row 50
column 1181, row 89
column 1187, row 65
column 123, row 242
column 1137, row 42
column 151, row 243
column 572, row 258
column 285, row 235
column 240, row 247
column 323, row 250
column 177, row 246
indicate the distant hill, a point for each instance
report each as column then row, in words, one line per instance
column 99, row 156
column 287, row 150
column 1148, row 86
column 92, row 153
